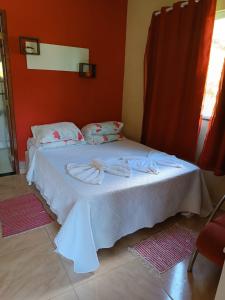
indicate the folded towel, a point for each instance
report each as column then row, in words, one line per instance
column 152, row 163
column 143, row 165
column 164, row 159
column 93, row 172
column 86, row 173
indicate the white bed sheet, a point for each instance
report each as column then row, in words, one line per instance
column 95, row 217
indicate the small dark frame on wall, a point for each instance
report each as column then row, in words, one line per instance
column 29, row 45
column 87, row 70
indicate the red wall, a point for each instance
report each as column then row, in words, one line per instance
column 51, row 96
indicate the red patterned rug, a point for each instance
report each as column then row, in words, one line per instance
column 165, row 249
column 22, row 213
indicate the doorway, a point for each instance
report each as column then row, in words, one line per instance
column 8, row 157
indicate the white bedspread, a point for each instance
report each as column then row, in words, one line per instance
column 96, row 216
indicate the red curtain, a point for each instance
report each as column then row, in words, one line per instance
column 176, row 62
column 213, row 153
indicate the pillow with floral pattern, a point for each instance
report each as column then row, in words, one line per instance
column 54, row 144
column 104, row 128
column 63, row 131
column 100, row 139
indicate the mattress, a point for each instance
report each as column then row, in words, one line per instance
column 96, row 216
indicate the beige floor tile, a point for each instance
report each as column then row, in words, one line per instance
column 194, row 223
column 31, row 238
column 52, row 229
column 75, row 278
column 129, row 281
column 32, row 274
column 22, row 262
column 200, row 284
column 12, row 186
column 113, row 257
column 69, row 295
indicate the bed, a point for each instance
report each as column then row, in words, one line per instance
column 96, row 216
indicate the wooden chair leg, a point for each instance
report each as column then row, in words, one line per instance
column 192, row 260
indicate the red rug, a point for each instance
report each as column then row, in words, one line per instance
column 22, row 213
column 165, row 249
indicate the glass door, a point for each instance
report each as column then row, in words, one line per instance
column 7, row 161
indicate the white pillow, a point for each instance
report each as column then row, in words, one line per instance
column 56, row 132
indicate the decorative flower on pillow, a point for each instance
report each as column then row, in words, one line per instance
column 80, row 136
column 105, row 138
column 63, row 131
column 104, row 128
column 98, row 128
column 117, row 124
column 56, row 134
column 99, row 139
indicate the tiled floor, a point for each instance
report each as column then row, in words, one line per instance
column 31, row 270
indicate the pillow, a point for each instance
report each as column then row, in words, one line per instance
column 105, row 128
column 34, row 142
column 56, row 132
column 100, row 139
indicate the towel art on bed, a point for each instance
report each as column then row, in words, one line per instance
column 151, row 164
column 94, row 172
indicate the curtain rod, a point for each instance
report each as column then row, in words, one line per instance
column 171, row 8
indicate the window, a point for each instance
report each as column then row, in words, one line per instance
column 216, row 61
